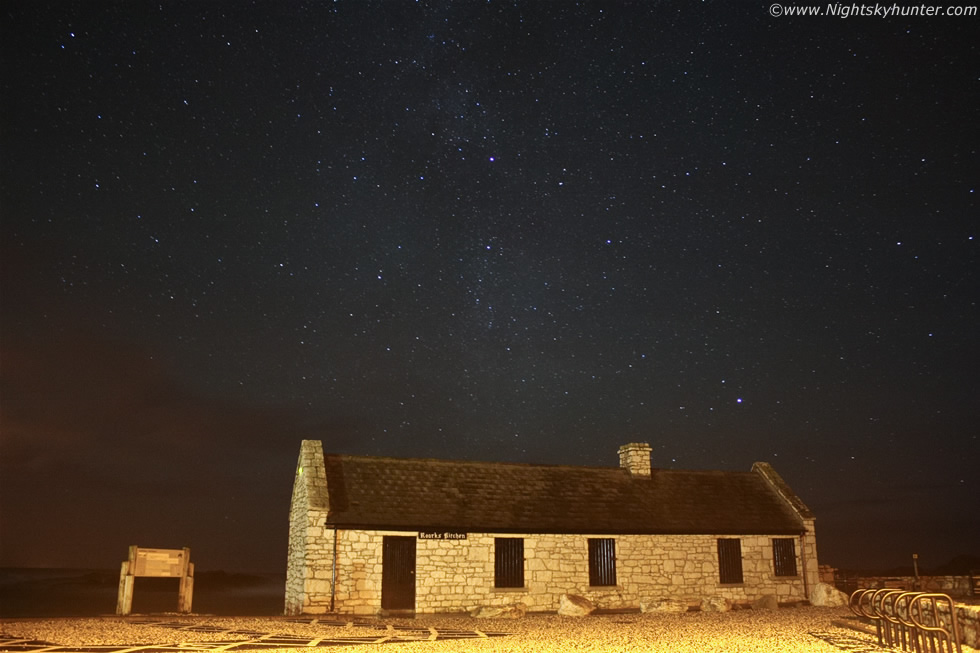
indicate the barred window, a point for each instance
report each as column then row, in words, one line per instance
column 784, row 556
column 602, row 561
column 508, row 562
column 730, row 560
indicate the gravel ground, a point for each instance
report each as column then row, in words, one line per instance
column 742, row 631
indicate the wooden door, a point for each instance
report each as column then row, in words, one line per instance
column 398, row 573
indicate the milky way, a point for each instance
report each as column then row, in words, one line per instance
column 499, row 231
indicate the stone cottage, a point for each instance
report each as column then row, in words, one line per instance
column 372, row 535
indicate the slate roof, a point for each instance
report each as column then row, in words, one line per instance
column 443, row 495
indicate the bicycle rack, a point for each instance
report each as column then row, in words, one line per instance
column 920, row 622
column 944, row 629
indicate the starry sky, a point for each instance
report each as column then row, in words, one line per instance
column 499, row 231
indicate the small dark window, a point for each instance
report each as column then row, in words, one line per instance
column 730, row 560
column 784, row 556
column 602, row 561
column 508, row 562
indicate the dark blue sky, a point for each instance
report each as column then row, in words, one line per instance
column 523, row 232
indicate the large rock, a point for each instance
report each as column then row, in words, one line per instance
column 715, row 604
column 828, row 596
column 572, row 605
column 515, row 611
column 663, row 605
column 767, row 602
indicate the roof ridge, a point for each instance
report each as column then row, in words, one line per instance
column 494, row 463
column 450, row 461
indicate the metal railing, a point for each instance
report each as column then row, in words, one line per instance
column 921, row 622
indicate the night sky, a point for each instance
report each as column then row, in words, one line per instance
column 499, row 231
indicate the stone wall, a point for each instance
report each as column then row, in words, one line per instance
column 968, row 617
column 827, row 574
column 308, row 552
column 954, row 586
column 458, row 575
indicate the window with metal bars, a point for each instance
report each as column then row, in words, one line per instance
column 508, row 562
column 730, row 560
column 784, row 556
column 602, row 561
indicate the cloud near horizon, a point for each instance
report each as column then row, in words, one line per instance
column 103, row 447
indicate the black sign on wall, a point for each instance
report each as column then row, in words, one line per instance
column 441, row 535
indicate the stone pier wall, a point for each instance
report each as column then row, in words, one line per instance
column 458, row 575
column 968, row 617
column 954, row 586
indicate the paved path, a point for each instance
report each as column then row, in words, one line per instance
column 850, row 643
column 251, row 640
column 238, row 639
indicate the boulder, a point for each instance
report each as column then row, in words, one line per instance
column 572, row 605
column 767, row 602
column 827, row 596
column 663, row 605
column 715, row 604
column 515, row 611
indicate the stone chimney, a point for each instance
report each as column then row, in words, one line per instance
column 635, row 457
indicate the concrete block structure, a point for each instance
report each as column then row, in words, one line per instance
column 373, row 535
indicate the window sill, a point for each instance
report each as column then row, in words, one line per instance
column 506, row 590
